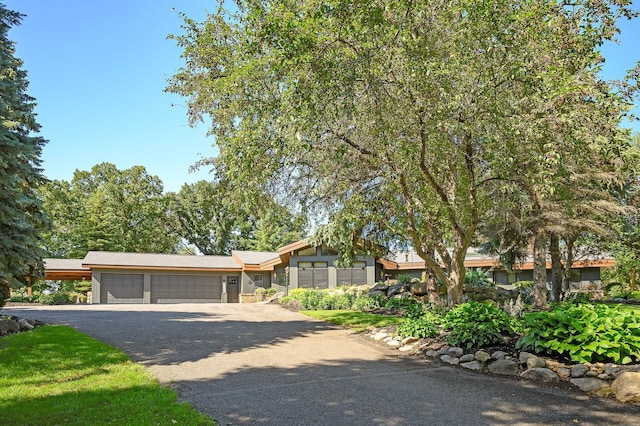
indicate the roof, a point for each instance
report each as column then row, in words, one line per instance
column 66, row 269
column 256, row 260
column 103, row 259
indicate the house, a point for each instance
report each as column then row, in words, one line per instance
column 169, row 278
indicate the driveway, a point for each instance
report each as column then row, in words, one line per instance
column 263, row 365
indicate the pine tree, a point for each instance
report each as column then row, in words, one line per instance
column 20, row 174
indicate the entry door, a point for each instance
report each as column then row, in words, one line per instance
column 232, row 290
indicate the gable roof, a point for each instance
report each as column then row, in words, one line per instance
column 253, row 260
column 104, row 259
column 66, row 269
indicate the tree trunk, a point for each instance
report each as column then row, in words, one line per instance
column 632, row 279
column 432, row 287
column 455, row 283
column 556, row 267
column 566, row 281
column 539, row 270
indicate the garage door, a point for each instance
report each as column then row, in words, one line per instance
column 186, row 289
column 121, row 288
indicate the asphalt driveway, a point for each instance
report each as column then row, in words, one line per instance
column 263, row 365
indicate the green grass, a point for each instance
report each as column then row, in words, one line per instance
column 358, row 321
column 55, row 375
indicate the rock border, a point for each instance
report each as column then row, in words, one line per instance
column 606, row 380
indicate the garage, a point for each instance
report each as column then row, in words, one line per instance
column 186, row 289
column 122, row 288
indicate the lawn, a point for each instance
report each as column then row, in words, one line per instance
column 56, row 375
column 358, row 321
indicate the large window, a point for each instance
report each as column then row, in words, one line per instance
column 258, row 280
column 313, row 275
column 357, row 274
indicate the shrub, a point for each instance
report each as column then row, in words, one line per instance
column 421, row 328
column 260, row 292
column 58, row 298
column 366, row 303
column 584, row 333
column 344, row 301
column 271, row 291
column 403, row 304
column 475, row 324
column 478, row 277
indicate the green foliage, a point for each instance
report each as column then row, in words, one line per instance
column 107, row 209
column 421, row 328
column 21, row 216
column 475, row 324
column 404, row 279
column 57, row 298
column 367, row 303
column 478, row 277
column 584, row 333
column 4, row 292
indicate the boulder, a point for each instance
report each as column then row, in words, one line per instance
column 563, row 373
column 626, row 387
column 397, row 289
column 8, row 326
column 540, row 375
column 481, row 356
column 25, row 325
column 579, row 370
column 374, row 293
column 503, row 367
column 455, row 352
column 450, row 359
column 524, row 356
column 380, row 335
column 418, row 289
column 499, row 355
column 467, row 358
column 589, row 384
column 535, row 362
column 380, row 287
column 472, row 365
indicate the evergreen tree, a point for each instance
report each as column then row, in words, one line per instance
column 20, row 174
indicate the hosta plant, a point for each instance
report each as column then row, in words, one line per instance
column 476, row 324
column 584, row 333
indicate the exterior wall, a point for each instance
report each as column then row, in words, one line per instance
column 249, row 283
column 332, row 270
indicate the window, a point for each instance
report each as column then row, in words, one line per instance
column 357, row 274
column 575, row 276
column 257, row 280
column 326, row 251
column 511, row 277
column 309, row 251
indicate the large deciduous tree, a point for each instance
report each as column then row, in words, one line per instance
column 21, row 219
column 401, row 118
column 108, row 209
column 217, row 218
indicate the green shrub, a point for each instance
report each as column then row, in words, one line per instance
column 271, row 291
column 478, row 277
column 58, row 298
column 344, row 301
column 421, row 328
column 366, row 303
column 475, row 324
column 401, row 304
column 584, row 333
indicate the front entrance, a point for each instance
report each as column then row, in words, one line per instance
column 233, row 291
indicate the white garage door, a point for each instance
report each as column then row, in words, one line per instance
column 186, row 289
column 121, row 288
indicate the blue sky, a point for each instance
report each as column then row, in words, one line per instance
column 97, row 69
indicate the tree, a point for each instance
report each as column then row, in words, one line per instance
column 217, row 218
column 400, row 119
column 21, row 219
column 108, row 209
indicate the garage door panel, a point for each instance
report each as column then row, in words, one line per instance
column 121, row 288
column 186, row 289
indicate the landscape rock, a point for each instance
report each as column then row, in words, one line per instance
column 432, row 353
column 407, row 348
column 408, row 340
column 536, row 362
column 499, row 355
column 591, row 373
column 563, row 373
column 397, row 289
column 393, row 343
column 419, row 289
column 472, row 365
column 450, row 360
column 374, row 293
column 482, row 356
column 380, row 335
column 455, row 351
column 589, row 384
column 540, row 374
column 8, row 326
column 611, row 369
column 380, row 287
column 25, row 325
column 626, row 387
column 579, row 370
column 503, row 367
column 467, row 358
column 524, row 356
